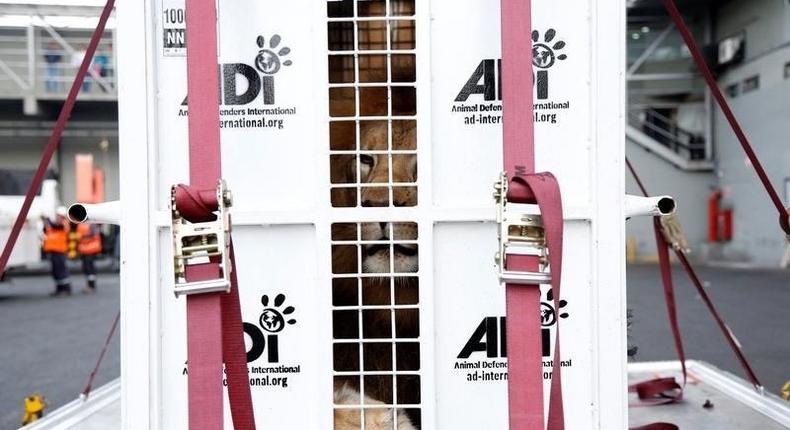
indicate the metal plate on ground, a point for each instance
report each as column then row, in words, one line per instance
column 735, row 404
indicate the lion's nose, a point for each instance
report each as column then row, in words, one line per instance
column 369, row 203
column 385, row 231
column 375, row 197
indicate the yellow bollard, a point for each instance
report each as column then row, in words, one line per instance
column 786, row 391
column 34, row 408
column 630, row 250
column 73, row 239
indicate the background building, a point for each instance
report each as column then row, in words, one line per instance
column 681, row 143
column 41, row 46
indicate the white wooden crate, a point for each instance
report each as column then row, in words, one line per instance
column 284, row 213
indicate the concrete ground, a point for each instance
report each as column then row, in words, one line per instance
column 50, row 345
column 755, row 304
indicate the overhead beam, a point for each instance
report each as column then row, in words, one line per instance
column 54, row 9
column 661, row 76
column 650, row 49
column 12, row 74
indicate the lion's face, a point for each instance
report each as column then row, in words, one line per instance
column 373, row 164
column 376, row 165
column 375, row 257
column 374, row 168
column 375, row 418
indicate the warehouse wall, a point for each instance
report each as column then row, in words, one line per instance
column 763, row 113
column 766, row 23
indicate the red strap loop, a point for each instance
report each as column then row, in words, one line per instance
column 666, row 388
column 234, row 354
column 196, row 205
column 519, row 191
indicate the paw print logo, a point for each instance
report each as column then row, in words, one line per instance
column 268, row 61
column 548, row 315
column 273, row 318
column 544, row 54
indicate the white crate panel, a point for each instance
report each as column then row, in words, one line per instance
column 271, row 270
column 468, row 295
column 464, row 36
column 259, row 179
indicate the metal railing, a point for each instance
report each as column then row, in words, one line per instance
column 666, row 132
column 41, row 61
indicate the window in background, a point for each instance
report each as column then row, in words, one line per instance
column 751, row 84
column 733, row 89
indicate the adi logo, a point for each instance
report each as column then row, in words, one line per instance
column 549, row 315
column 486, row 80
column 545, row 54
column 490, row 335
column 242, row 84
column 273, row 320
column 267, row 61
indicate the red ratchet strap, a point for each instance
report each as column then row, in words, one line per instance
column 89, row 385
column 662, row 391
column 54, row 138
column 214, row 326
column 525, row 355
column 666, row 275
column 725, row 108
column 667, row 390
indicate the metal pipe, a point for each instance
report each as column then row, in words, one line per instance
column 100, row 213
column 649, row 206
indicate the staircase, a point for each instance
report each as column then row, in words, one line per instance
column 663, row 137
column 38, row 61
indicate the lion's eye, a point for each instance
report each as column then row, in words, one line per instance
column 366, row 159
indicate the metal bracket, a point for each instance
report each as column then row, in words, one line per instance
column 200, row 242
column 520, row 233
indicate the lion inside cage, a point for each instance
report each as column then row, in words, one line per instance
column 373, row 163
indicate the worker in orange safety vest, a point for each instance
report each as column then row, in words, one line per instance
column 89, row 246
column 56, row 245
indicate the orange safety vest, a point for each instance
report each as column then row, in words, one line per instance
column 89, row 241
column 55, row 239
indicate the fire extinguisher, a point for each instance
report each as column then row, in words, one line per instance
column 719, row 219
